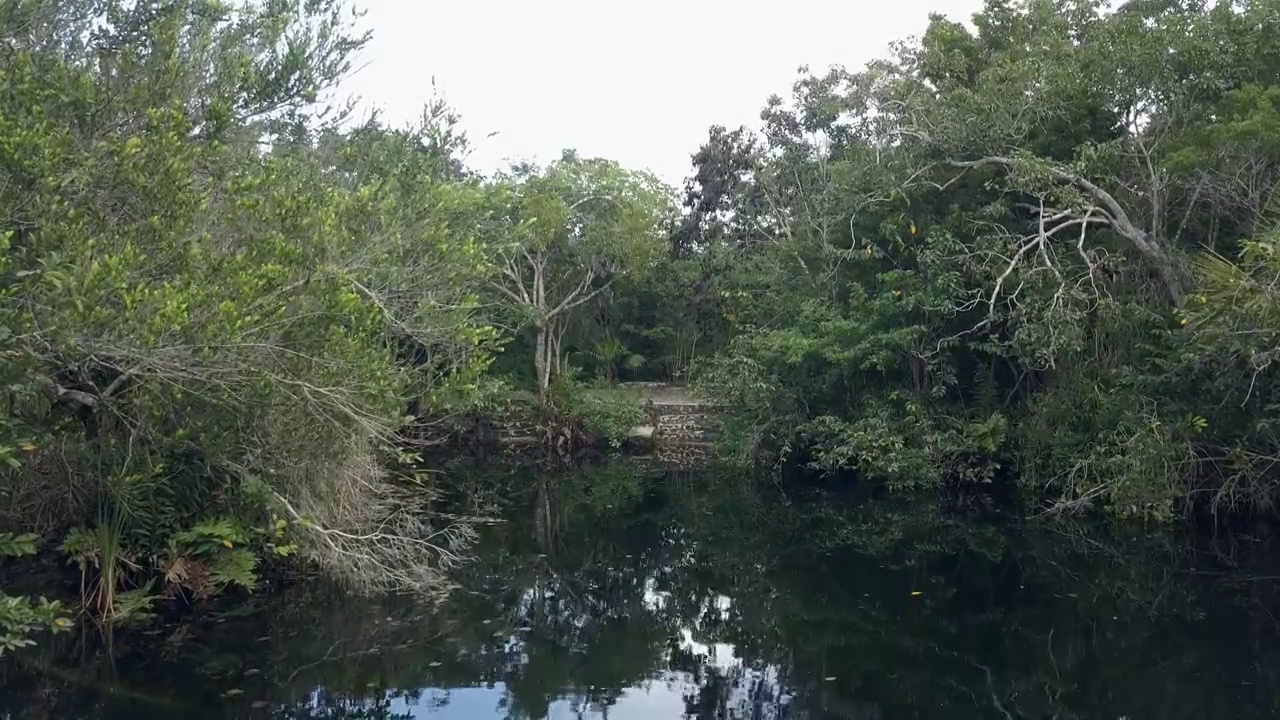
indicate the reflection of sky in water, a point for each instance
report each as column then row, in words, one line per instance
column 655, row 701
column 659, row 698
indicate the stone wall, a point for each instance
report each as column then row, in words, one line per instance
column 679, row 432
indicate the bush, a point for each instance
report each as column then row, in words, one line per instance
column 607, row 413
column 20, row 617
column 217, row 306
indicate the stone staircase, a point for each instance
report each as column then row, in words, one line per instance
column 679, row 432
column 682, row 423
column 681, row 427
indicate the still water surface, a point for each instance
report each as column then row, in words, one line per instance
column 615, row 592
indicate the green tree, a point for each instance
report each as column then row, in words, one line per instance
column 567, row 233
column 981, row 245
column 218, row 305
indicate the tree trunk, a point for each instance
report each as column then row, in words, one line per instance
column 541, row 361
column 558, row 355
column 1168, row 275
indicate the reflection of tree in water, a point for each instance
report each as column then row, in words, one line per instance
column 588, row 632
column 750, row 607
column 1019, row 620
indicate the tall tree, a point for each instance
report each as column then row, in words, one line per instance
column 721, row 201
column 569, row 232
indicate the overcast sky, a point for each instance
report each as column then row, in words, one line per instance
column 638, row 81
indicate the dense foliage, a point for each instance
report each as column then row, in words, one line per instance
column 1036, row 252
column 217, row 303
column 1036, row 249
column 230, row 313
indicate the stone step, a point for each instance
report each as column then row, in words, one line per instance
column 684, row 419
column 667, row 432
column 706, row 436
column 661, row 410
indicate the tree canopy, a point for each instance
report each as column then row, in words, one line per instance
column 569, row 232
column 992, row 237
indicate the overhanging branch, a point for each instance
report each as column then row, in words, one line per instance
column 1146, row 243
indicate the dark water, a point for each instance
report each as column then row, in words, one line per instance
column 616, row 593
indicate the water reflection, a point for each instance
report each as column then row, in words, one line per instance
column 613, row 593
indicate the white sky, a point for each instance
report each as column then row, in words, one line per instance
column 637, row 81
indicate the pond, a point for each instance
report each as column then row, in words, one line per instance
column 626, row 593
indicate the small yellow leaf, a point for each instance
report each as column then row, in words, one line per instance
column 913, row 228
column 227, row 543
column 29, row 447
column 916, row 593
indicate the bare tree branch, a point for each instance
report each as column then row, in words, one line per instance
column 1147, row 244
